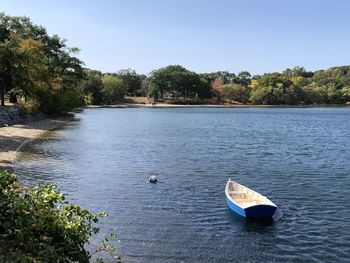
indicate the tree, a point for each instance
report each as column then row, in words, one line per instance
column 225, row 77
column 113, row 89
column 176, row 80
column 273, row 88
column 297, row 72
column 158, row 83
column 6, row 56
column 144, row 85
column 4, row 33
column 235, row 93
column 6, row 60
column 37, row 66
column 261, row 95
column 244, row 78
column 346, row 94
column 92, row 87
column 131, row 80
column 204, row 89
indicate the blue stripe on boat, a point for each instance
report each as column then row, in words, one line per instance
column 236, row 208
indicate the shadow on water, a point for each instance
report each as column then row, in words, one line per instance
column 259, row 222
column 260, row 225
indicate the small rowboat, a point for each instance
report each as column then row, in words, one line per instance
column 247, row 202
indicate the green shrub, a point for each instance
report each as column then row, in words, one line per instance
column 69, row 99
column 38, row 225
column 60, row 102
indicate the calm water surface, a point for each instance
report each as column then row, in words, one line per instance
column 299, row 158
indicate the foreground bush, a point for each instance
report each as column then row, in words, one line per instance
column 38, row 225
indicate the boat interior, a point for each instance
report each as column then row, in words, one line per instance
column 246, row 197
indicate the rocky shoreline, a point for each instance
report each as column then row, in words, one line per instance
column 13, row 115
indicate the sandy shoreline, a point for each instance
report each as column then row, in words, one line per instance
column 12, row 137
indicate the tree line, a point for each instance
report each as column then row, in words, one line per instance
column 42, row 73
column 294, row 86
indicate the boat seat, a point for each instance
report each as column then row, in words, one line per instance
column 247, row 200
column 235, row 192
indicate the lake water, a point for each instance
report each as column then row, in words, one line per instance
column 298, row 157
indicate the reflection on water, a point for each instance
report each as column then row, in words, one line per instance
column 299, row 158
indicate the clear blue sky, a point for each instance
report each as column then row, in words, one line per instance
column 204, row 36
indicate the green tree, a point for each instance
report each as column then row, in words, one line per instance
column 144, row 85
column 92, row 87
column 4, row 33
column 244, row 78
column 37, row 66
column 261, row 95
column 346, row 94
column 274, row 88
column 297, row 72
column 131, row 80
column 7, row 56
column 203, row 90
column 158, row 83
column 225, row 77
column 175, row 80
column 113, row 89
column 235, row 93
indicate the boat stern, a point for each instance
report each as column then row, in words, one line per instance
column 260, row 211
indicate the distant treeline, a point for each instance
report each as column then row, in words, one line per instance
column 42, row 74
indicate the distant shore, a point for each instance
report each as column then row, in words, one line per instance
column 163, row 105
